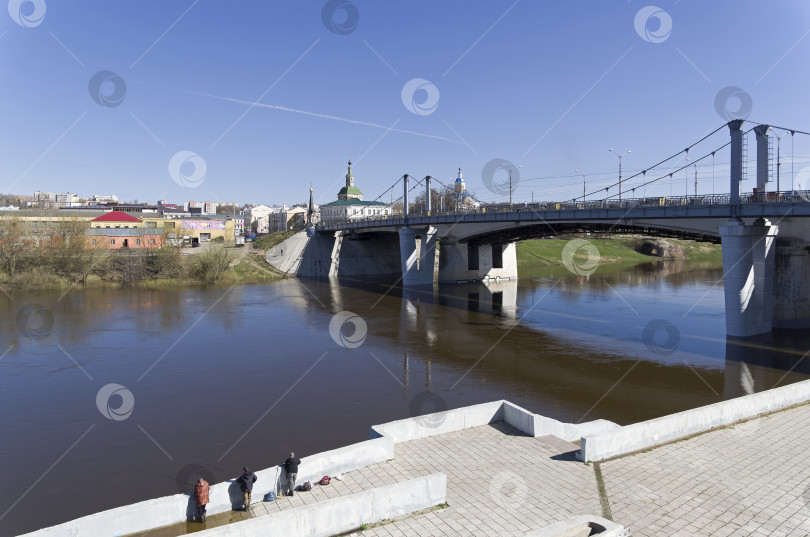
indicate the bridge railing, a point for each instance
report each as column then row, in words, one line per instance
column 702, row 200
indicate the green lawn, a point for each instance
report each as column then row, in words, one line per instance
column 622, row 250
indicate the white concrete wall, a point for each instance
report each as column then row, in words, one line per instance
column 337, row 461
column 345, row 513
column 173, row 509
column 286, row 257
column 622, row 440
column 476, row 415
column 440, row 422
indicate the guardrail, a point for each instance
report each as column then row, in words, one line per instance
column 709, row 200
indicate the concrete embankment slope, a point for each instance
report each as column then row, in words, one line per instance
column 319, row 256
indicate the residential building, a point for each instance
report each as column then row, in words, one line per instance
column 118, row 238
column 287, row 219
column 252, row 214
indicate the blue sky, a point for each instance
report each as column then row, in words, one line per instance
column 549, row 86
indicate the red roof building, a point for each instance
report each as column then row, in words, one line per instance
column 116, row 219
column 116, row 216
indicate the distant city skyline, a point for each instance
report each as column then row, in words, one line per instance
column 255, row 102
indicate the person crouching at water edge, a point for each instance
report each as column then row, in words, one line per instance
column 201, row 492
column 291, row 467
column 246, row 481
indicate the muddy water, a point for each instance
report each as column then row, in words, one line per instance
column 209, row 380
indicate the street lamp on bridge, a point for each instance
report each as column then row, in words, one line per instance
column 583, row 184
column 620, row 155
column 509, row 166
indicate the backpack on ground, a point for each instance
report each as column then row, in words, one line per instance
column 307, row 486
column 324, row 480
column 270, row 496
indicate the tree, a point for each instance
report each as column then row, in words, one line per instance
column 12, row 243
column 68, row 251
column 442, row 198
column 227, row 209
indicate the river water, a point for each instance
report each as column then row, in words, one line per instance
column 112, row 396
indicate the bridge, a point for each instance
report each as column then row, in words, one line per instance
column 766, row 281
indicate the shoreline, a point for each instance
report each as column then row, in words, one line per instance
column 535, row 257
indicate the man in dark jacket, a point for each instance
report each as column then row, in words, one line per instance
column 291, row 467
column 246, row 481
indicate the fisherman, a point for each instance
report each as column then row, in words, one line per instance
column 201, row 492
column 291, row 467
column 246, row 481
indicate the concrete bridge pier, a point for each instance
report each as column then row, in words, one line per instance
column 748, row 272
column 462, row 262
column 418, row 261
column 791, row 293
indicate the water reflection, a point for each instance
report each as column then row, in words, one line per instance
column 273, row 378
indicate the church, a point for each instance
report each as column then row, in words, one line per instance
column 350, row 204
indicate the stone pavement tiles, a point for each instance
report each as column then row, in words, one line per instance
column 749, row 479
column 499, row 482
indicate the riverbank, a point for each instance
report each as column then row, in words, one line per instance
column 229, row 265
column 163, row 268
column 617, row 250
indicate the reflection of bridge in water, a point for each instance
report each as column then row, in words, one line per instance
column 438, row 334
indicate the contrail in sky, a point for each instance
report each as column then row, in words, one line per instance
column 326, row 116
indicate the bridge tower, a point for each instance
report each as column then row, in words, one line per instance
column 748, row 256
column 418, row 260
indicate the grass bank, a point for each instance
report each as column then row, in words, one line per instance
column 152, row 269
column 617, row 249
column 273, row 239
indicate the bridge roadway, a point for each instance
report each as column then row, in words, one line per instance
column 693, row 216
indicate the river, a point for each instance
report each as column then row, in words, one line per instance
column 112, row 396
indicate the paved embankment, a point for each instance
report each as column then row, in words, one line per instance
column 750, row 478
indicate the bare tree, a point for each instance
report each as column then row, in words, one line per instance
column 12, row 243
column 68, row 251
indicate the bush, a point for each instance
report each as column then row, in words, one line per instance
column 167, row 261
column 209, row 266
column 130, row 268
column 219, row 240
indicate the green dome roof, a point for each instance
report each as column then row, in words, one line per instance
column 351, row 190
